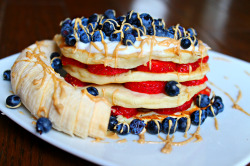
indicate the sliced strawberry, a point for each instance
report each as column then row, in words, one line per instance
column 195, row 82
column 149, row 87
column 205, row 91
column 203, row 60
column 102, row 70
column 73, row 62
column 184, row 68
column 158, row 67
column 74, row 81
column 169, row 111
column 126, row 112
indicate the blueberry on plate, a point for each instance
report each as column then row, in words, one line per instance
column 115, row 36
column 218, row 103
column 202, row 100
column 166, row 124
column 70, row 40
column 182, row 124
column 171, row 88
column 154, row 127
column 98, row 36
column 195, row 117
column 109, row 14
column 212, row 109
column 56, row 63
column 108, row 27
column 43, row 125
column 185, row 43
column 13, row 101
column 146, row 19
column 93, row 91
column 66, row 30
column 6, row 75
column 112, row 123
column 136, row 126
column 128, row 39
column 54, row 54
column 85, row 37
column 122, row 128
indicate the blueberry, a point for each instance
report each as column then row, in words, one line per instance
column 127, row 28
column 202, row 100
column 132, row 18
column 128, row 39
column 143, row 29
column 109, row 14
column 154, row 127
column 192, row 32
column 66, row 30
column 108, row 27
column 161, row 32
column 43, row 125
column 85, row 37
column 218, row 104
column 194, row 40
column 150, row 30
column 115, row 36
column 85, row 21
column 136, row 126
column 178, row 30
column 135, row 32
column 13, row 101
column 122, row 128
column 56, row 63
column 93, row 18
column 165, row 125
column 6, row 75
column 70, row 40
column 169, row 34
column 159, row 22
column 146, row 19
column 171, row 88
column 185, row 43
column 98, row 36
column 120, row 20
column 209, row 111
column 66, row 22
column 54, row 54
column 195, row 117
column 93, row 91
column 112, row 123
column 92, row 26
column 182, row 124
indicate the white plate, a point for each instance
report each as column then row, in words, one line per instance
column 230, row 145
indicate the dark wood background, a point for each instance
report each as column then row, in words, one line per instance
column 222, row 24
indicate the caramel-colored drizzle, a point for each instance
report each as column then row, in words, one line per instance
column 122, row 141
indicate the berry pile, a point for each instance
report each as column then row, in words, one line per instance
column 123, row 28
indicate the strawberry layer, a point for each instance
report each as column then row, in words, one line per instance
column 155, row 67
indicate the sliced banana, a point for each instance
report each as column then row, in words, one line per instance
column 45, row 93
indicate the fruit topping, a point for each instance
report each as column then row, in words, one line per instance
column 169, row 111
column 202, row 100
column 182, row 124
column 158, row 67
column 93, row 18
column 128, row 39
column 185, row 68
column 98, row 36
column 43, row 125
column 185, row 43
column 168, row 125
column 194, row 40
column 13, row 101
column 56, row 63
column 195, row 117
column 120, row 20
column 205, row 91
column 102, row 70
column 6, row 75
column 132, row 18
column 172, row 88
column 70, row 40
column 112, row 123
column 159, row 23
column 136, row 126
column 218, row 104
column 126, row 112
column 149, row 87
column 85, row 37
column 195, row 82
column 146, row 19
column 84, row 21
column 212, row 109
column 66, row 30
column 70, row 61
column 93, row 91
column 54, row 55
column 204, row 59
column 74, row 81
column 115, row 36
column 154, row 127
column 109, row 14
column 122, row 128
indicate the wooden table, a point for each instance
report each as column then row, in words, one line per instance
column 223, row 25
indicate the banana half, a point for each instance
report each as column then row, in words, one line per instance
column 45, row 93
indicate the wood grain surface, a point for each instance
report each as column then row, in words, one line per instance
column 222, row 24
